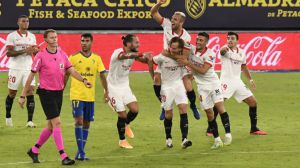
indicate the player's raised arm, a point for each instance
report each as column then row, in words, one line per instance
column 132, row 55
column 154, row 11
column 150, row 68
column 144, row 57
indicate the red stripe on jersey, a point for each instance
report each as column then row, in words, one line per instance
column 120, row 54
column 162, row 21
column 18, row 31
column 237, row 50
column 154, row 61
column 9, row 46
column 181, row 33
column 187, row 48
column 203, row 52
column 208, row 63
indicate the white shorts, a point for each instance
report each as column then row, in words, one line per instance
column 17, row 77
column 208, row 98
column 237, row 89
column 120, row 97
column 174, row 92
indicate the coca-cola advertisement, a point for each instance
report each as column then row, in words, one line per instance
column 265, row 51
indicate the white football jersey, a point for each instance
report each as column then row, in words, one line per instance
column 119, row 69
column 18, row 42
column 210, row 79
column 169, row 34
column 231, row 64
column 171, row 72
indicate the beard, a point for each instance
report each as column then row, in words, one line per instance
column 134, row 50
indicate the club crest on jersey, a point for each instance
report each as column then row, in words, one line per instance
column 195, row 8
column 61, row 66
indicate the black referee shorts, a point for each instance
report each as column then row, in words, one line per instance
column 51, row 102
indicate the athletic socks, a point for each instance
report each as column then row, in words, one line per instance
column 8, row 105
column 30, row 106
column 184, row 125
column 225, row 121
column 121, row 128
column 253, row 118
column 131, row 116
column 79, row 139
column 59, row 142
column 192, row 98
column 168, row 128
column 214, row 128
column 44, row 136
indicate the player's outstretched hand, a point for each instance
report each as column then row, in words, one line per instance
column 87, row 84
column 22, row 101
column 182, row 61
column 147, row 55
column 162, row 1
column 253, row 85
column 106, row 98
column 224, row 50
column 29, row 50
column 36, row 49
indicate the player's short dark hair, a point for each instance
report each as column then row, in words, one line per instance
column 177, row 40
column 87, row 35
column 233, row 34
column 127, row 39
column 22, row 16
column 204, row 34
column 48, row 31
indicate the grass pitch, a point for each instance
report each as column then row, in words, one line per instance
column 278, row 114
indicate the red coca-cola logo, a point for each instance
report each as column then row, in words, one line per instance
column 260, row 50
column 265, row 51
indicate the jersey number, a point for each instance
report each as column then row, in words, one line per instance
column 12, row 79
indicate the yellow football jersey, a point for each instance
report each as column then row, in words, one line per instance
column 89, row 68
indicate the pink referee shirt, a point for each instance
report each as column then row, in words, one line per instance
column 51, row 68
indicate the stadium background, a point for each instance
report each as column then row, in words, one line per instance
column 269, row 32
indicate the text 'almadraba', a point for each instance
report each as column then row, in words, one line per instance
column 150, row 3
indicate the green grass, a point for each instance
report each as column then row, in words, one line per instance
column 278, row 113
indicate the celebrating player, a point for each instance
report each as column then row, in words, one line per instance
column 172, row 90
column 202, row 62
column 174, row 28
column 119, row 91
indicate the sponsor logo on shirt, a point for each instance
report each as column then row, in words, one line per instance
column 62, row 66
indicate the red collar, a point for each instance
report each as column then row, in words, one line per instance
column 204, row 51
column 237, row 50
column 180, row 33
column 18, row 31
